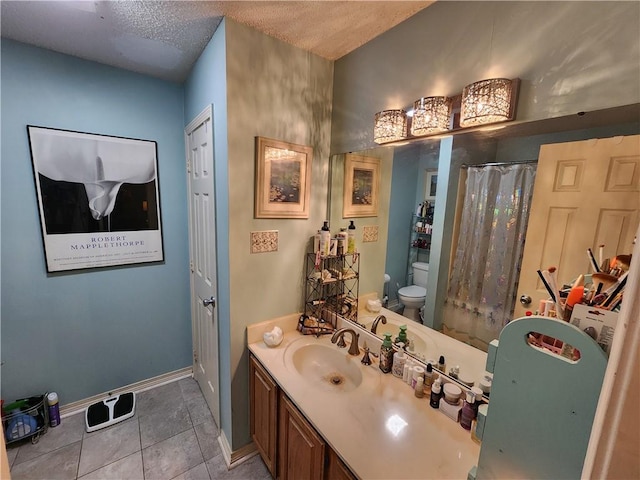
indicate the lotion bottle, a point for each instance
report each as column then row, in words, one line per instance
column 342, row 241
column 325, row 239
column 419, row 389
column 386, row 354
column 316, row 242
column 399, row 359
column 351, row 238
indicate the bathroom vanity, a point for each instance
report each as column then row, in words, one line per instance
column 318, row 412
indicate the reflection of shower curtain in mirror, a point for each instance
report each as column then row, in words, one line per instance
column 486, row 266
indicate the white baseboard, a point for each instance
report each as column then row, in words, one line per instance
column 233, row 459
column 138, row 387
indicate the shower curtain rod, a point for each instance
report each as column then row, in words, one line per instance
column 498, row 164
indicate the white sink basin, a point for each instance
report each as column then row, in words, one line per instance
column 325, row 366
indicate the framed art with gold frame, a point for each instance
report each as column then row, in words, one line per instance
column 361, row 186
column 283, row 179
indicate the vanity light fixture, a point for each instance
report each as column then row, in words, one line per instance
column 431, row 115
column 390, row 126
column 487, row 101
column 481, row 103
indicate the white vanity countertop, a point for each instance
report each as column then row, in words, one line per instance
column 379, row 429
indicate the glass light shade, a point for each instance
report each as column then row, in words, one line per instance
column 431, row 115
column 390, row 125
column 486, row 101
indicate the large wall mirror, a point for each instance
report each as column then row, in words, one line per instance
column 406, row 175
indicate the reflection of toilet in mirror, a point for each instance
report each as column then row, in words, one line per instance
column 413, row 296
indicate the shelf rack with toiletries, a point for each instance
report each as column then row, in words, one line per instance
column 420, row 239
column 331, row 286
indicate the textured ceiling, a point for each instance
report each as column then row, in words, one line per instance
column 164, row 38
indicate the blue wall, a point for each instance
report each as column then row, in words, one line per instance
column 86, row 332
column 401, row 205
column 407, row 191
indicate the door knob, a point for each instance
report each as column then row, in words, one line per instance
column 209, row 301
column 525, row 299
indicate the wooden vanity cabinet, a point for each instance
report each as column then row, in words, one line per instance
column 289, row 445
column 263, row 413
column 300, row 449
column 336, row 469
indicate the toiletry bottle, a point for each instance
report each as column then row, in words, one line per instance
column 316, row 242
column 399, row 359
column 54, row 409
column 417, row 372
column 477, row 393
column 453, row 373
column 386, row 354
column 442, row 366
column 342, row 241
column 351, row 238
column 325, row 239
column 419, row 389
column 406, row 370
column 468, row 412
column 428, row 378
column 436, row 394
column 485, row 384
column 402, row 335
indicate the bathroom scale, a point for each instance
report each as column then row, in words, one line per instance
column 110, row 411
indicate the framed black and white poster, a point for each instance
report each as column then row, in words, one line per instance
column 98, row 199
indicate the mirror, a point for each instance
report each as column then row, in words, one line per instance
column 406, row 170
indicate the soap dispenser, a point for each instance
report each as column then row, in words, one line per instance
column 402, row 335
column 386, row 354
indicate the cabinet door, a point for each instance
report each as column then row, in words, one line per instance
column 336, row 469
column 301, row 450
column 264, row 411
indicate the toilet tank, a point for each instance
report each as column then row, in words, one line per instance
column 420, row 273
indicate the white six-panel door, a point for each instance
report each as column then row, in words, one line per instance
column 586, row 194
column 202, row 237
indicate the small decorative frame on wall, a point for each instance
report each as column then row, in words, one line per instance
column 361, row 186
column 264, row 242
column 430, row 184
column 283, row 179
column 370, row 233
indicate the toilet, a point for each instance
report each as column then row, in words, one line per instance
column 413, row 296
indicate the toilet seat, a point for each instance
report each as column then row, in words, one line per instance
column 413, row 291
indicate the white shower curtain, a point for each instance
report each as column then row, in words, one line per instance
column 486, row 268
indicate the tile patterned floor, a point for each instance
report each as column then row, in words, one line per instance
column 171, row 436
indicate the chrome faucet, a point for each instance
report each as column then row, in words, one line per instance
column 338, row 336
column 379, row 318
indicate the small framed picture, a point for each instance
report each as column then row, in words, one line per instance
column 283, row 179
column 361, row 186
column 430, row 184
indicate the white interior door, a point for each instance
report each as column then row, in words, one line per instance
column 586, row 194
column 202, row 242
